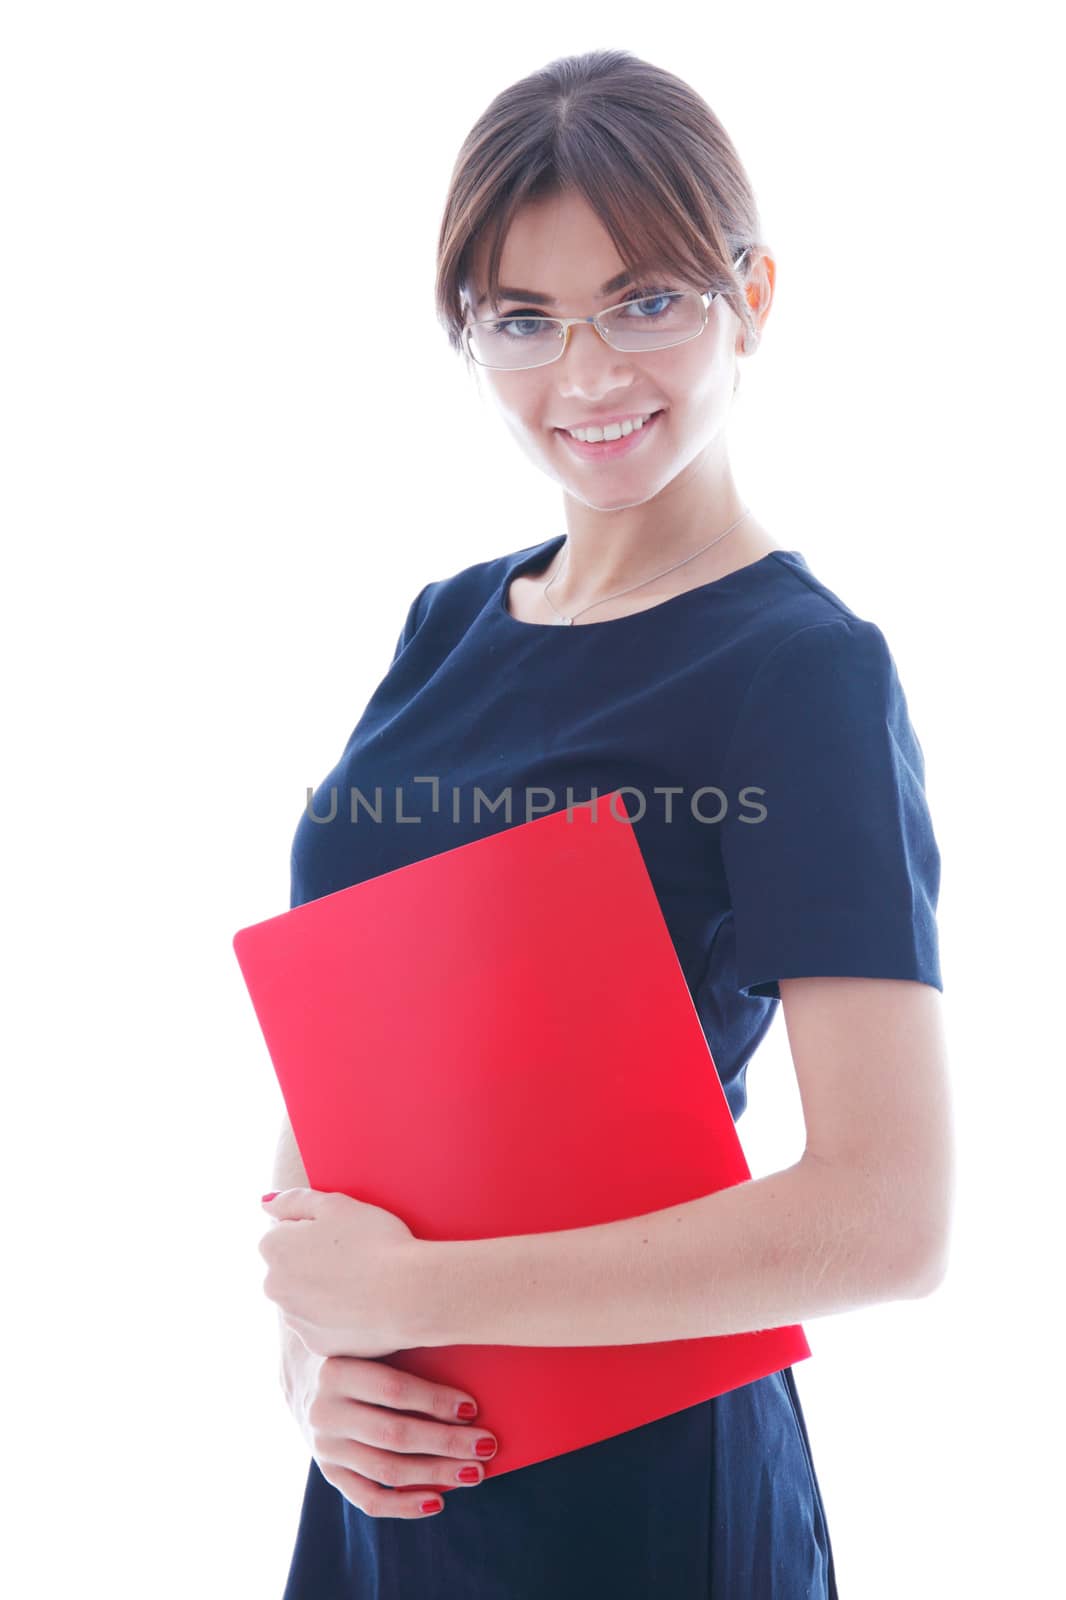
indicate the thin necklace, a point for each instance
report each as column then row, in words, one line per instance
column 632, row 586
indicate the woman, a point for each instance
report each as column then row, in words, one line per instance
column 666, row 640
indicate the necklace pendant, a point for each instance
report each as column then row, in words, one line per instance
column 566, row 621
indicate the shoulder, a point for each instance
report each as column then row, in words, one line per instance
column 815, row 671
column 822, row 675
column 828, row 647
column 810, row 623
column 798, row 601
column 825, row 707
column 464, row 592
column 800, row 633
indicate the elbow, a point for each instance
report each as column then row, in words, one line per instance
column 908, row 1253
column 924, row 1237
column 925, row 1254
column 935, row 1230
column 926, row 1280
column 934, row 1270
column 908, row 1243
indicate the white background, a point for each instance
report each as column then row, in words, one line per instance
column 236, row 445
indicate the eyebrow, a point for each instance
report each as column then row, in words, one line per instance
column 546, row 299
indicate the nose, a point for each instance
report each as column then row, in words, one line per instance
column 589, row 366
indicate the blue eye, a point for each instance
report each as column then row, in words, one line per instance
column 530, row 321
column 531, row 318
column 648, row 313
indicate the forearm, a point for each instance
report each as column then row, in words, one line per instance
column 297, row 1363
column 805, row 1242
column 296, row 1360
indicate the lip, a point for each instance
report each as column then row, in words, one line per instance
column 606, row 420
column 614, row 447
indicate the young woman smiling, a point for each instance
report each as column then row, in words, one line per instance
column 602, row 268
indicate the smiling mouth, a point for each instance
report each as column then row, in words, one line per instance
column 636, row 421
column 607, row 449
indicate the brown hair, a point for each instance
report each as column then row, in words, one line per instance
column 642, row 147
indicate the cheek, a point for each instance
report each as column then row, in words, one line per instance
column 702, row 402
column 521, row 404
column 689, row 377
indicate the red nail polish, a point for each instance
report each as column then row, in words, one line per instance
column 465, row 1410
column 272, row 1196
column 432, row 1505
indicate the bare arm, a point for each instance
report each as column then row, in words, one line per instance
column 296, row 1360
column 863, row 1216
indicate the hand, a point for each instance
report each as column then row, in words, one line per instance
column 374, row 1455
column 341, row 1271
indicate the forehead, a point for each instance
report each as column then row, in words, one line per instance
column 537, row 297
column 555, row 250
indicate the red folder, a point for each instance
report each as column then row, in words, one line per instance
column 499, row 1039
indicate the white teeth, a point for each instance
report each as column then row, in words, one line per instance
column 613, row 430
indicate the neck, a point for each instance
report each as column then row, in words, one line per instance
column 584, row 570
column 609, row 550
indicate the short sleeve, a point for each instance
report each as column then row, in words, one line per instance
column 831, row 862
column 410, row 627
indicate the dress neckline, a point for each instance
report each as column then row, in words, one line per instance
column 542, row 553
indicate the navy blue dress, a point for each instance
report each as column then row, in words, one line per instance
column 777, row 792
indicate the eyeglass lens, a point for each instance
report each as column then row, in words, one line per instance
column 652, row 323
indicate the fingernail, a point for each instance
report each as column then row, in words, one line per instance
column 468, row 1475
column 485, row 1447
column 272, row 1196
column 465, row 1410
column 431, row 1505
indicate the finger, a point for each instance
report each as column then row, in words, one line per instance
column 288, row 1205
column 403, row 1434
column 401, row 1471
column 382, row 1385
column 378, row 1502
